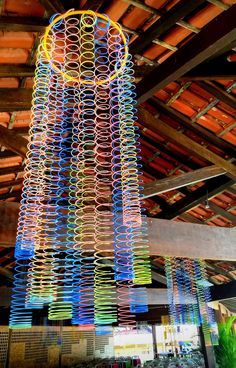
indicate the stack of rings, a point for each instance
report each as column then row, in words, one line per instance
column 81, row 234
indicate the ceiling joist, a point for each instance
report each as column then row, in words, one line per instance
column 173, row 135
column 198, row 196
column 203, row 45
column 174, row 182
column 13, row 141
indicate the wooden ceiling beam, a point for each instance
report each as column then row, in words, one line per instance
column 175, row 238
column 94, row 5
column 219, row 93
column 222, row 212
column 163, row 24
column 53, row 6
column 156, row 125
column 212, row 70
column 15, row 99
column 208, row 71
column 198, row 196
column 174, row 182
column 206, row 43
column 183, row 120
column 10, row 183
column 22, row 24
column 13, row 193
column 13, row 141
column 16, row 71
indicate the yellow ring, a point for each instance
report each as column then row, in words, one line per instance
column 65, row 75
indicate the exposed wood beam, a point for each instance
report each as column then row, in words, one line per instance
column 225, row 291
column 10, row 183
column 165, row 147
column 187, row 123
column 163, row 24
column 212, row 37
column 13, row 141
column 219, row 270
column 175, row 238
column 15, row 99
column 206, row 71
column 53, row 6
column 189, row 218
column 6, row 273
column 173, row 135
column 178, row 181
column 140, row 4
column 220, row 211
column 11, row 170
column 16, row 71
column 14, row 193
column 212, row 70
column 94, row 5
column 210, row 189
column 24, row 24
column 219, row 93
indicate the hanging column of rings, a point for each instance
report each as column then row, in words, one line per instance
column 81, row 245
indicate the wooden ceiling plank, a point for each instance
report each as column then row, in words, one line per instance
column 13, row 141
column 16, row 71
column 212, row 70
column 15, row 99
column 173, row 135
column 174, row 182
column 175, row 238
column 22, row 24
column 183, row 120
column 189, row 218
column 53, row 6
column 222, row 212
column 94, row 5
column 163, row 24
column 203, row 45
column 210, row 189
column 218, row 93
column 10, row 183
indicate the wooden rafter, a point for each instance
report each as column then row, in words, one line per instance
column 16, row 71
column 174, row 239
column 219, row 93
column 53, row 6
column 210, row 189
column 183, row 120
column 13, row 141
column 94, row 5
column 178, row 181
column 164, row 24
column 173, row 135
column 212, row 70
column 203, row 45
column 22, row 24
column 15, row 99
column 215, row 69
column 221, row 212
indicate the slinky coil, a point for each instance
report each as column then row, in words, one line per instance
column 81, row 233
column 188, row 292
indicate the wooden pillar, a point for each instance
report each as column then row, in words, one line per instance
column 207, row 350
column 7, row 363
column 154, row 341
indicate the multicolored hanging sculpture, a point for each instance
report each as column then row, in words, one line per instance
column 188, row 292
column 81, row 243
